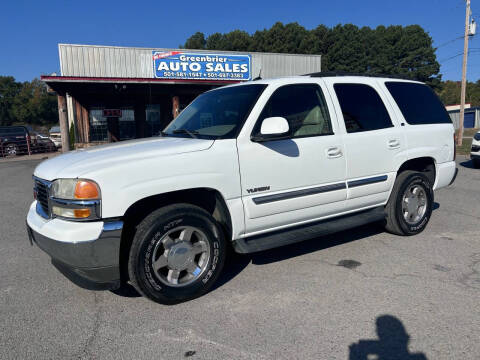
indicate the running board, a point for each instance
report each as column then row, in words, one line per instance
column 305, row 232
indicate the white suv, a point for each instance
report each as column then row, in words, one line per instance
column 475, row 151
column 252, row 166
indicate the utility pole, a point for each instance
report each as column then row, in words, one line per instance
column 464, row 75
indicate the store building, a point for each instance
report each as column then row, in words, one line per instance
column 471, row 118
column 119, row 93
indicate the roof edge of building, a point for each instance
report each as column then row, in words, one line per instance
column 186, row 50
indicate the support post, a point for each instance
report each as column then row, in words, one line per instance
column 175, row 106
column 464, row 76
column 63, row 120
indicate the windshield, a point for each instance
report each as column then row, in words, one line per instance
column 217, row 114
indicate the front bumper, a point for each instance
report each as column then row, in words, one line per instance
column 89, row 261
column 475, row 156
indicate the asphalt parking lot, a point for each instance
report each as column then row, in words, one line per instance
column 344, row 296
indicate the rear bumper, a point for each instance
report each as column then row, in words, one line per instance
column 446, row 174
column 92, row 263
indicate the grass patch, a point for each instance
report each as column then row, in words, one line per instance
column 468, row 132
column 465, row 148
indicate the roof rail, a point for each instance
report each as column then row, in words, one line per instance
column 343, row 73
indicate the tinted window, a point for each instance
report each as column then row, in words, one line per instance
column 216, row 114
column 418, row 103
column 304, row 107
column 362, row 108
column 12, row 130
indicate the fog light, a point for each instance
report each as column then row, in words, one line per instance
column 71, row 213
column 81, row 213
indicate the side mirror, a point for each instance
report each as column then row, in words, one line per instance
column 273, row 128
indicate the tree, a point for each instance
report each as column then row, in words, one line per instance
column 450, row 93
column 394, row 50
column 9, row 89
column 196, row 41
column 34, row 105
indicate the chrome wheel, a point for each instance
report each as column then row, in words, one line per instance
column 414, row 204
column 11, row 149
column 181, row 256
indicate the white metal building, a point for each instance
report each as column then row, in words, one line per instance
column 117, row 93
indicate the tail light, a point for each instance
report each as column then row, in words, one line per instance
column 454, row 146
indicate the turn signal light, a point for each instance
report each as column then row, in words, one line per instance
column 86, row 190
column 81, row 213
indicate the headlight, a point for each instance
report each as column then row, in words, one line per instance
column 75, row 189
column 75, row 199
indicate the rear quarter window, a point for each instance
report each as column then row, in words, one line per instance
column 418, row 103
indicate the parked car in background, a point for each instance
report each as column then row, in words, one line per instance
column 57, row 140
column 15, row 140
column 475, row 152
column 56, row 136
column 44, row 143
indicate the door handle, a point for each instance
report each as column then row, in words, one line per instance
column 393, row 144
column 334, row 152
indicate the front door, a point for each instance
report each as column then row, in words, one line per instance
column 297, row 179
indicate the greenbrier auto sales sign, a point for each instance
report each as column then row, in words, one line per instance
column 181, row 65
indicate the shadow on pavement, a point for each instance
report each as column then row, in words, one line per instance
column 392, row 343
column 467, row 164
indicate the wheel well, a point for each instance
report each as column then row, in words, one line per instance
column 208, row 199
column 425, row 165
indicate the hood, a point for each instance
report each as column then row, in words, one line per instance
column 79, row 162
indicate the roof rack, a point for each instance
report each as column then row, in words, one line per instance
column 343, row 73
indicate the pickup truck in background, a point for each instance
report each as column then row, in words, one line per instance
column 250, row 166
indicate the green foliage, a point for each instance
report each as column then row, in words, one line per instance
column 71, row 135
column 27, row 103
column 393, row 50
column 196, row 41
column 449, row 92
column 9, row 89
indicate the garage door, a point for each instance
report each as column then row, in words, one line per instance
column 469, row 121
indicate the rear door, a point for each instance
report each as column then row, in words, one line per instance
column 297, row 179
column 374, row 140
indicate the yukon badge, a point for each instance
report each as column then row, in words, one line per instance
column 257, row 189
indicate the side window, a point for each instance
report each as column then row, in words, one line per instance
column 418, row 103
column 304, row 107
column 362, row 108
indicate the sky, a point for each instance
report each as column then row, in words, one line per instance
column 31, row 30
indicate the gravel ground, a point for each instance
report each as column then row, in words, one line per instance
column 338, row 297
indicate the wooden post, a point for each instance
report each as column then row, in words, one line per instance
column 175, row 106
column 464, row 76
column 63, row 120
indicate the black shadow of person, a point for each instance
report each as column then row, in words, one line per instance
column 392, row 343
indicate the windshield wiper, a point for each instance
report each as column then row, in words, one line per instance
column 192, row 133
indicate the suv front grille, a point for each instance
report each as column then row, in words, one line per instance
column 42, row 189
column 475, row 148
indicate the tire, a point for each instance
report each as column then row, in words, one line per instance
column 178, row 242
column 476, row 163
column 401, row 216
column 11, row 150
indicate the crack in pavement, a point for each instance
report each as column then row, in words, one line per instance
column 474, row 275
column 86, row 349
